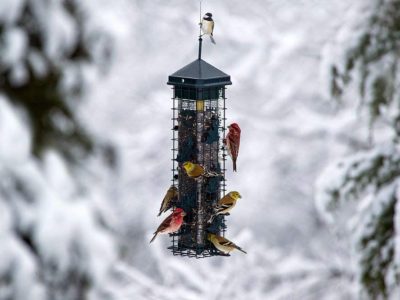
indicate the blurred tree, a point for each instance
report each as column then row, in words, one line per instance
column 54, row 240
column 372, row 58
column 46, row 48
column 372, row 178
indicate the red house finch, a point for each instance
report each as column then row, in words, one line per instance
column 171, row 194
column 232, row 142
column 171, row 224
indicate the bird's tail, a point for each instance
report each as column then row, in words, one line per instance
column 240, row 249
column 212, row 39
column 234, row 165
column 154, row 236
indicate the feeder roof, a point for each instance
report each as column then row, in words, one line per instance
column 199, row 74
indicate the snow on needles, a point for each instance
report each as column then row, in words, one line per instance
column 54, row 242
column 371, row 181
column 355, row 176
column 63, row 229
column 59, row 31
column 14, row 135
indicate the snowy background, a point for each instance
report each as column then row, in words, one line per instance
column 94, row 222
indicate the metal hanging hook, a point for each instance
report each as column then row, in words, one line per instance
column 200, row 35
column 200, row 10
column 200, row 17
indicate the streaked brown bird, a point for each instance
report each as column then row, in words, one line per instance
column 166, row 204
column 222, row 244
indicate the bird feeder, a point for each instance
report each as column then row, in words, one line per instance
column 198, row 134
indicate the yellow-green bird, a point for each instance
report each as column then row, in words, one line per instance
column 171, row 194
column 193, row 170
column 226, row 203
column 222, row 244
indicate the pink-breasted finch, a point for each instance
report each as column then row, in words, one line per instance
column 171, row 224
column 232, row 142
column 170, row 196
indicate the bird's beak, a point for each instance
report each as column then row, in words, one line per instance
column 183, row 214
column 240, row 196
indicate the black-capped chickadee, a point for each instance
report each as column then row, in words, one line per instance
column 207, row 26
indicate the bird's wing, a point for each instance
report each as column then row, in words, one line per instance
column 223, row 208
column 226, row 200
column 202, row 170
column 164, row 202
column 233, row 144
column 227, row 243
column 169, row 196
column 198, row 171
column 165, row 224
column 222, row 241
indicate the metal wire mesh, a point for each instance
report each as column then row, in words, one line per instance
column 198, row 134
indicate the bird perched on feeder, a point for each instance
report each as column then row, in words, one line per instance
column 232, row 142
column 193, row 170
column 207, row 26
column 222, row 244
column 171, row 224
column 196, row 171
column 225, row 204
column 166, row 204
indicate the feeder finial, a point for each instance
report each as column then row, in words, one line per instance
column 200, row 35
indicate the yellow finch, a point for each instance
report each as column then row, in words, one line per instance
column 226, row 203
column 196, row 171
column 223, row 244
column 171, row 194
column 193, row 170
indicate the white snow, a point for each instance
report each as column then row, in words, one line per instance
column 15, row 41
column 10, row 10
column 98, row 222
column 14, row 135
column 273, row 52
